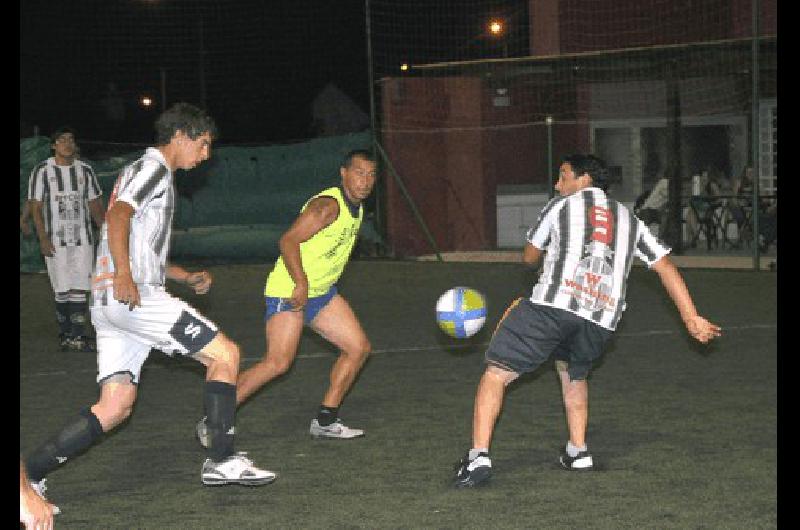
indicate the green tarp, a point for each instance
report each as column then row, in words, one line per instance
column 235, row 205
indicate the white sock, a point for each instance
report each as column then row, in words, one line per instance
column 573, row 451
column 473, row 453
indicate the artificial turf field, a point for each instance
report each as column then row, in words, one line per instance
column 683, row 435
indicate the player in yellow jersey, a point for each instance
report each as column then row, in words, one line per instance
column 301, row 290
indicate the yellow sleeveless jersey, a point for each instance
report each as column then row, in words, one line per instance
column 324, row 256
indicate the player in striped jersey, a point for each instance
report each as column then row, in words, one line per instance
column 133, row 313
column 64, row 198
column 588, row 241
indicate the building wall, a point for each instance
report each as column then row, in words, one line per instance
column 453, row 141
column 439, row 156
column 570, row 26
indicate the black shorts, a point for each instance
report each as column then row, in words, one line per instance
column 530, row 333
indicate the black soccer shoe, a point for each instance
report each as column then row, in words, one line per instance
column 581, row 462
column 475, row 472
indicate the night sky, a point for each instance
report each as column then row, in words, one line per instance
column 264, row 62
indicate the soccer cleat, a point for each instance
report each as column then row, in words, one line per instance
column 335, row 430
column 470, row 473
column 40, row 488
column 202, row 433
column 236, row 469
column 581, row 462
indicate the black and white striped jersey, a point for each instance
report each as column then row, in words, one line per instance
column 65, row 192
column 590, row 241
column 147, row 185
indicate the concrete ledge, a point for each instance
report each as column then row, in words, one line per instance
column 691, row 262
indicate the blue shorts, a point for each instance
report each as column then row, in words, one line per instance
column 313, row 305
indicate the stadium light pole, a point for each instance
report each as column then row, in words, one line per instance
column 755, row 134
column 379, row 225
column 549, row 122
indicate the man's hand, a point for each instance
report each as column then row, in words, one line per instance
column 34, row 511
column 701, row 329
column 125, row 290
column 46, row 246
column 299, row 297
column 199, row 281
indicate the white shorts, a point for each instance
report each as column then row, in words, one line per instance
column 125, row 337
column 70, row 268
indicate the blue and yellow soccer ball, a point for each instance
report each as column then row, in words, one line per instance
column 461, row 312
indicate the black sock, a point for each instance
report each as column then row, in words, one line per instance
column 77, row 318
column 327, row 415
column 74, row 438
column 63, row 311
column 220, row 402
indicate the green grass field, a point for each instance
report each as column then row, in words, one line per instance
column 684, row 436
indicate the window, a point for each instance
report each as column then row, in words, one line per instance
column 768, row 147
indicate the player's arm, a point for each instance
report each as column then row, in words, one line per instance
column 119, row 228
column 199, row 281
column 531, row 255
column 45, row 244
column 698, row 327
column 25, row 217
column 96, row 211
column 319, row 213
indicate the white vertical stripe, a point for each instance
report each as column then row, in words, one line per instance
column 611, row 263
column 151, row 220
column 66, row 212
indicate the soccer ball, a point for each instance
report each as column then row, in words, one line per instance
column 461, row 312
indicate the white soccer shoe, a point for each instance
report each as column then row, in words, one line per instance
column 580, row 462
column 335, row 430
column 236, row 469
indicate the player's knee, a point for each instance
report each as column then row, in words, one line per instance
column 113, row 411
column 278, row 365
column 364, row 349
column 356, row 354
column 501, row 374
column 233, row 354
column 123, row 412
column 224, row 351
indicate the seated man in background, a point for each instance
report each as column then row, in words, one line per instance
column 654, row 207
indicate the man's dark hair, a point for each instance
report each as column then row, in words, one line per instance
column 191, row 120
column 62, row 130
column 360, row 153
column 595, row 167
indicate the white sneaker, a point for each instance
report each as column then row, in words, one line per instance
column 580, row 462
column 40, row 487
column 236, row 469
column 475, row 472
column 335, row 430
